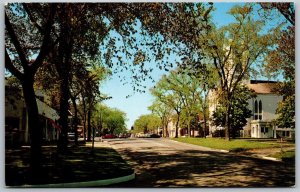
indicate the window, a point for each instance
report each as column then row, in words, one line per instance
column 264, row 130
column 257, row 110
column 260, row 110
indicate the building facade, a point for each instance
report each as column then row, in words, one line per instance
column 263, row 107
column 16, row 118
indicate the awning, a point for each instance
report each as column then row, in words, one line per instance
column 47, row 111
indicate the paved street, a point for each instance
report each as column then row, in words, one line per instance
column 164, row 163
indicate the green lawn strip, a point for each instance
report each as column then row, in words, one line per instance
column 78, row 165
column 285, row 155
column 232, row 145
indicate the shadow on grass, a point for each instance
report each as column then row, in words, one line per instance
column 78, row 165
column 162, row 167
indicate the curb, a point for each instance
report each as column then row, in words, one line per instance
column 269, row 158
column 96, row 183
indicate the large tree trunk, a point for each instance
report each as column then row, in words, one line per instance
column 227, row 123
column 63, row 68
column 189, row 128
column 35, row 130
column 64, row 107
column 89, row 125
column 204, row 131
column 163, row 127
column 165, row 131
column 177, row 125
column 84, row 118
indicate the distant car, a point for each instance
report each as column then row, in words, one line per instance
column 155, row 136
column 109, row 136
column 123, row 135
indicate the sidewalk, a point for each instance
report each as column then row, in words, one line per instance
column 79, row 168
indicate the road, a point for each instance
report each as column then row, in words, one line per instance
column 165, row 163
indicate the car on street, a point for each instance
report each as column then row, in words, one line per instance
column 109, row 136
column 154, row 136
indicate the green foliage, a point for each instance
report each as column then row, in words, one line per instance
column 286, row 113
column 239, row 110
column 146, row 123
column 182, row 93
column 234, row 50
column 281, row 60
column 109, row 120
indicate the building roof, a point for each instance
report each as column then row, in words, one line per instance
column 263, row 87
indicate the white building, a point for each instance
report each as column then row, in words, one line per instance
column 263, row 109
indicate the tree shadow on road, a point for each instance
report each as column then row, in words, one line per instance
column 195, row 168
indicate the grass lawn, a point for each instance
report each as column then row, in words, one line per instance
column 78, row 165
column 285, row 155
column 232, row 145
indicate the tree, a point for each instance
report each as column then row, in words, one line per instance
column 115, row 121
column 164, row 112
column 207, row 77
column 281, row 60
column 82, row 78
column 239, row 111
column 163, row 92
column 56, row 32
column 181, row 92
column 187, row 87
column 109, row 120
column 21, row 49
column 287, row 9
column 77, row 20
column 234, row 49
column 147, row 123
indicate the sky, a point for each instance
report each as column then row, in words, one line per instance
column 137, row 104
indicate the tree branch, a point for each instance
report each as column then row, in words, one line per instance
column 12, row 68
column 31, row 18
column 16, row 43
column 46, row 40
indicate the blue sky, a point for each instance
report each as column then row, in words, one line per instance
column 137, row 103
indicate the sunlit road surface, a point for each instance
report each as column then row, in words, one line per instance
column 165, row 163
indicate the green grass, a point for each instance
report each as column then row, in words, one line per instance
column 232, row 145
column 285, row 155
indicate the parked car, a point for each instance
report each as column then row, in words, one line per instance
column 124, row 135
column 108, row 136
column 155, row 136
